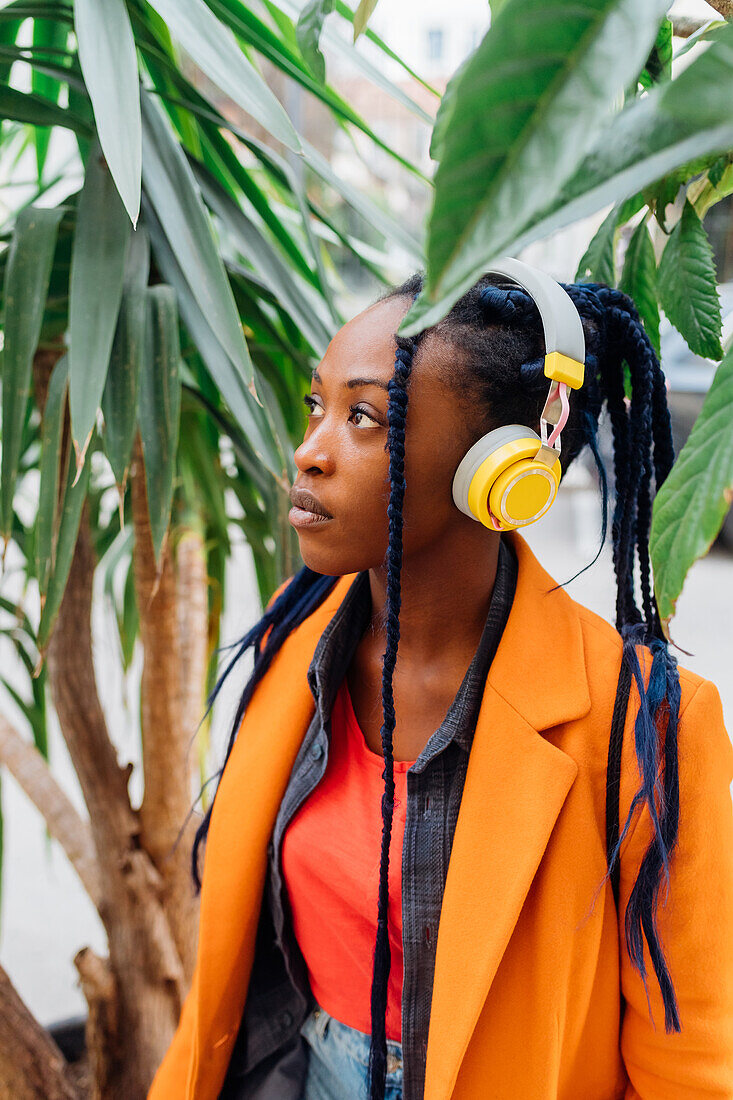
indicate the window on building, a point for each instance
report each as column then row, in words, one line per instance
column 435, row 44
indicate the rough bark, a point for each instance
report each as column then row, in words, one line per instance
column 167, row 827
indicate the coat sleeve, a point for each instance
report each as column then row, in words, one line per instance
column 695, row 926
column 171, row 1078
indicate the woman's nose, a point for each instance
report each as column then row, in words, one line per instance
column 315, row 451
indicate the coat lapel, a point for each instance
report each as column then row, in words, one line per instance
column 516, row 784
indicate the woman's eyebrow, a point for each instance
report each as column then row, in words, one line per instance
column 351, row 383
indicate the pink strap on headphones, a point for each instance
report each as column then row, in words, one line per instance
column 562, row 389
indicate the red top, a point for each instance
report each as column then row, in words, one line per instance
column 330, row 857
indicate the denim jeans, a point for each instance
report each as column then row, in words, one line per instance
column 338, row 1060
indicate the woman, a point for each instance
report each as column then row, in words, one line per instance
column 494, row 825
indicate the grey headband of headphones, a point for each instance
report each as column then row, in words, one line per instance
column 560, row 318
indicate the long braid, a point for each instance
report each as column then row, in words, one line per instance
column 396, row 416
column 659, row 702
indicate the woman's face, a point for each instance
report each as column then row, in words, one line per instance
column 343, row 460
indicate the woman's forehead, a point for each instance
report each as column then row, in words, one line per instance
column 368, row 340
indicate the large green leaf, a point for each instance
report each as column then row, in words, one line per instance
column 688, row 290
column 639, row 280
column 97, row 270
column 229, row 380
column 170, row 184
column 48, row 496
column 539, row 83
column 644, row 142
column 120, row 397
column 27, row 274
column 213, row 47
column 109, row 63
column 160, row 406
column 692, row 503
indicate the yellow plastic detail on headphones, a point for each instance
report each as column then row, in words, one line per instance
column 562, row 368
column 515, row 488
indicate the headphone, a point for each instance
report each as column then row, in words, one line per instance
column 510, row 476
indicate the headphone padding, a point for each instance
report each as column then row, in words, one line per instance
column 481, row 449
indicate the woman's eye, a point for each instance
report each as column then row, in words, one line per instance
column 310, row 403
column 355, row 410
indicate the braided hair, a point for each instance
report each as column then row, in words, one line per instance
column 496, row 329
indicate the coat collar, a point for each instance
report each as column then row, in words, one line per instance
column 537, row 679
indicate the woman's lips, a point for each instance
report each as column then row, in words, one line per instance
column 299, row 517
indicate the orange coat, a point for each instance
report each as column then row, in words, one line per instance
column 530, row 965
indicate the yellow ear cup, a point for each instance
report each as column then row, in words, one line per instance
column 516, row 489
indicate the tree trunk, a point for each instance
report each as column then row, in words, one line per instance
column 134, row 863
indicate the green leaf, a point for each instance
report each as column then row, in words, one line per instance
column 308, row 32
column 95, row 291
column 639, row 281
column 659, row 63
column 301, row 300
column 719, row 168
column 106, row 48
column 693, row 501
column 48, row 517
column 37, row 111
column 8, row 33
column 170, row 184
column 27, row 275
column 75, row 493
column 362, row 15
column 688, row 290
column 120, row 397
column 160, row 406
column 598, row 264
column 49, row 38
column 228, row 378
column 544, row 82
column 645, row 141
column 215, row 50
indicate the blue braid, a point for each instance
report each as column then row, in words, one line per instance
column 396, row 415
column 642, row 443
